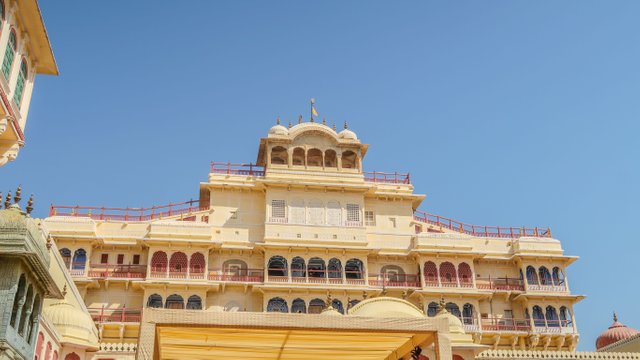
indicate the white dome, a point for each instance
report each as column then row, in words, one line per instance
column 278, row 130
column 73, row 324
column 347, row 134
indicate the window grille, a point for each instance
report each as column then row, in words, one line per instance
column 277, row 305
column 9, row 54
column 353, row 213
column 334, row 213
column 297, row 211
column 278, row 209
column 316, row 212
column 369, row 218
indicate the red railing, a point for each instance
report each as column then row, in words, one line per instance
column 505, row 324
column 480, row 230
column 387, row 178
column 242, row 275
column 128, row 214
column 236, row 169
column 498, row 284
column 123, row 314
column 118, row 271
column 408, row 280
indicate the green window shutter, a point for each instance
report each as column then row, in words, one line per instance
column 22, row 75
column 9, row 54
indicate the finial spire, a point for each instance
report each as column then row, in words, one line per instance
column 329, row 301
column 615, row 317
column 64, row 290
column 7, row 201
column 324, row 121
column 278, row 121
column 300, row 119
column 442, row 306
column 345, row 125
column 18, row 196
column 29, row 207
column 289, row 124
column 334, row 126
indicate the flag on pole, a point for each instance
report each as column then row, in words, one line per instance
column 313, row 109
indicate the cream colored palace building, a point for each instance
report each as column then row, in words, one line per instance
column 305, row 224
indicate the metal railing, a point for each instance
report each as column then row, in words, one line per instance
column 500, row 284
column 480, row 230
column 394, row 280
column 107, row 315
column 117, row 271
column 128, row 214
column 237, row 275
column 387, row 178
column 228, row 168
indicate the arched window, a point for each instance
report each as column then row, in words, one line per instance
column 174, row 301
column 178, row 265
column 337, row 304
column 545, row 276
column 448, row 274
column 538, row 316
column 464, row 275
column 72, row 356
column 9, row 54
column 316, row 268
column 277, row 266
column 298, row 306
column 532, row 276
column 565, row 316
column 22, row 77
column 334, row 269
column 552, row 317
column 457, row 357
column 155, row 301
column 39, row 344
column 330, row 159
column 314, row 157
column 297, row 212
column 234, row 267
column 47, row 352
column 26, row 310
column 79, row 259
column 22, row 286
column 432, row 309
column 316, row 306
column 392, row 273
column 277, row 305
column 35, row 311
column 196, row 265
column 279, row 155
column 349, row 160
column 298, row 269
column 159, row 263
column 558, row 276
column 430, row 274
column 316, row 212
column 232, row 306
column 194, row 302
column 334, row 214
column 353, row 303
column 298, row 156
column 467, row 314
column 453, row 308
column 66, row 256
column 354, row 269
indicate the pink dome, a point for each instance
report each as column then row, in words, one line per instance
column 615, row 333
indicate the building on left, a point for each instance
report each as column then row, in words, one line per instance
column 25, row 51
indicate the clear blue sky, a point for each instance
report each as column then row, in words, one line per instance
column 505, row 112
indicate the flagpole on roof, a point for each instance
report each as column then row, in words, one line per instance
column 312, row 102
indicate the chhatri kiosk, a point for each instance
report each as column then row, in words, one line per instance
column 305, row 255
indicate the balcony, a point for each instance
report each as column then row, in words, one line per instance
column 548, row 287
column 443, row 283
column 174, row 274
column 502, row 324
column 395, row 280
column 119, row 315
column 130, row 214
column 240, row 275
column 111, row 271
column 328, row 277
column 500, row 284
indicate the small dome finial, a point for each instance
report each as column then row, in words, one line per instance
column 329, row 301
column 29, row 207
column 442, row 306
column 64, row 290
column 289, row 124
column 278, row 121
column 334, row 126
column 300, row 119
column 345, row 125
column 324, row 121
column 7, row 201
column 18, row 196
column 615, row 317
